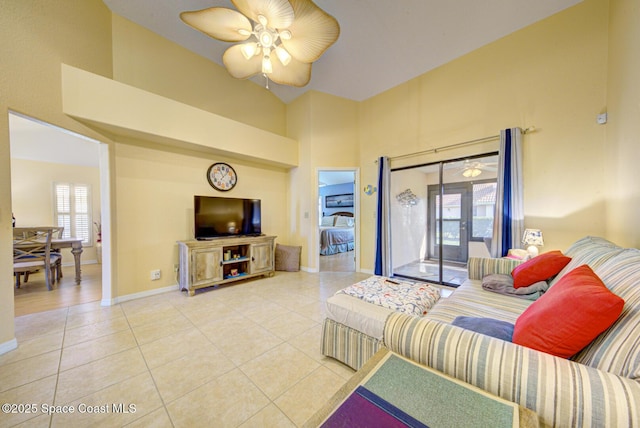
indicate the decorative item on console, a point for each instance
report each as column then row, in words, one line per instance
column 533, row 239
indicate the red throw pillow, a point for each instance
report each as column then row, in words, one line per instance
column 569, row 315
column 539, row 268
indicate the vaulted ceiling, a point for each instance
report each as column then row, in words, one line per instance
column 381, row 45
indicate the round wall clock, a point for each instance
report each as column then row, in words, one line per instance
column 222, row 176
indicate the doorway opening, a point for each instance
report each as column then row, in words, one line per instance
column 337, row 215
column 46, row 160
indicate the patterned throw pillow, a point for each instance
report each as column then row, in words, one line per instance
column 617, row 350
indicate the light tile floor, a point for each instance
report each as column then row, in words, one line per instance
column 243, row 355
column 341, row 262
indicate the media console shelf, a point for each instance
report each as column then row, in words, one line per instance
column 222, row 260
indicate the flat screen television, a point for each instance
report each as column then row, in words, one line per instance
column 218, row 217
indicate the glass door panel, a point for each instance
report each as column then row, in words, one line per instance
column 455, row 218
column 450, row 220
column 409, row 237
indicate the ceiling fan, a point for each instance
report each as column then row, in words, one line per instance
column 472, row 169
column 281, row 38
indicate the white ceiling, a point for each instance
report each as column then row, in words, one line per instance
column 37, row 141
column 382, row 43
column 328, row 178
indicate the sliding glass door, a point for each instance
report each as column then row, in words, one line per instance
column 441, row 214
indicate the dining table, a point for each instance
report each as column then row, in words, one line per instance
column 76, row 250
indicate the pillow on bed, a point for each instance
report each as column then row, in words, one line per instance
column 342, row 221
column 328, row 221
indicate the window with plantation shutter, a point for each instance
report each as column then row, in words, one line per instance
column 72, row 204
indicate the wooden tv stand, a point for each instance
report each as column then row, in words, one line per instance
column 222, row 260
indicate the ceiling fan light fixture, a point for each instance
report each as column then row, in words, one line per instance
column 273, row 23
column 471, row 172
column 285, row 35
column 267, row 67
column 266, row 38
column 283, row 55
column 249, row 50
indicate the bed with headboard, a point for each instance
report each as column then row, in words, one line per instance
column 337, row 233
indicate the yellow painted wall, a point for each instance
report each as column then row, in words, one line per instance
column 130, row 112
column 326, row 128
column 623, row 130
column 145, row 60
column 32, row 195
column 155, row 186
column 155, row 190
column 551, row 75
column 35, row 38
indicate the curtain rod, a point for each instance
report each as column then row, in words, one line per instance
column 452, row 146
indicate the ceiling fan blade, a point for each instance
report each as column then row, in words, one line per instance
column 312, row 32
column 240, row 67
column 295, row 73
column 220, row 23
column 279, row 13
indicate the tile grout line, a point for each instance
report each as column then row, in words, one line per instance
column 146, row 364
column 295, row 294
column 55, row 390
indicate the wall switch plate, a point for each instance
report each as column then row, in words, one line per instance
column 602, row 118
column 155, row 275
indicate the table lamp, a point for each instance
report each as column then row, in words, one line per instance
column 533, row 239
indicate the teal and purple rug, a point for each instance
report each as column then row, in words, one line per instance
column 392, row 391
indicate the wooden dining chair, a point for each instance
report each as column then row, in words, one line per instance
column 32, row 251
column 57, row 232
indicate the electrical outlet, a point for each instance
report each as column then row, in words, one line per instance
column 155, row 274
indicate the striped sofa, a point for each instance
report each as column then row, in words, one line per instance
column 598, row 387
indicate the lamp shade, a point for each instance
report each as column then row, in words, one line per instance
column 532, row 237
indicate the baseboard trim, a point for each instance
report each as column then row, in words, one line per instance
column 308, row 269
column 8, row 346
column 134, row 296
column 370, row 272
column 82, row 263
